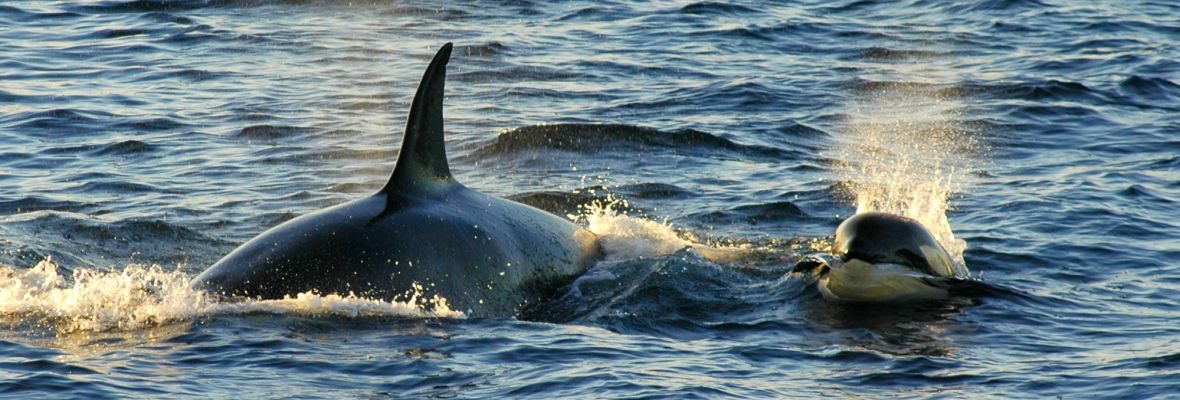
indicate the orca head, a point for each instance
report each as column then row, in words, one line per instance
column 881, row 238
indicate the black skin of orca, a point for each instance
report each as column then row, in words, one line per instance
column 487, row 256
column 886, row 238
column 876, row 237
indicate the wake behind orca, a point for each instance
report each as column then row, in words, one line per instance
column 422, row 232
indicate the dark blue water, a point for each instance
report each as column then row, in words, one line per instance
column 142, row 140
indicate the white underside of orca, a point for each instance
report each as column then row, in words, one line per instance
column 858, row 281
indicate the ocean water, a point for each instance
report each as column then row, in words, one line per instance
column 709, row 144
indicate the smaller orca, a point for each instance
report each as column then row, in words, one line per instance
column 879, row 257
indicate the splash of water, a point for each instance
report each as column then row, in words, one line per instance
column 142, row 296
column 903, row 152
column 624, row 236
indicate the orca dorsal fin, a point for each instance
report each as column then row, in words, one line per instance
column 422, row 160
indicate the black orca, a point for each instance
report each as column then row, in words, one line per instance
column 422, row 232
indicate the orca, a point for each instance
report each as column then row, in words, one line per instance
column 422, row 235
column 880, row 257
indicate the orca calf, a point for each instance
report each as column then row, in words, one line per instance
column 881, row 257
column 422, row 232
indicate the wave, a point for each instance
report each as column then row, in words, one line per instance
column 489, row 49
column 888, row 54
column 79, row 239
column 144, row 296
column 992, row 6
column 114, row 6
column 114, row 33
column 788, row 31
column 596, row 138
column 574, row 202
column 754, row 214
column 518, row 73
column 644, row 292
column 592, row 13
column 35, row 203
column 436, row 13
column 559, row 203
column 716, row 8
column 119, row 148
column 653, row 190
column 148, row 124
column 60, row 118
column 1051, row 90
column 270, row 133
column 1153, row 88
column 1045, row 93
column 124, row 6
column 21, row 15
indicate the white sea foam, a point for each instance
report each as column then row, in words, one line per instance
column 624, row 236
column 141, row 296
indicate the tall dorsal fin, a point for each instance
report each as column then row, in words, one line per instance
column 422, row 160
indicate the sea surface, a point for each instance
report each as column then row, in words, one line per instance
column 710, row 145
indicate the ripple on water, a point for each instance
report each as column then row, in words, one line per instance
column 55, row 119
column 594, row 138
column 270, row 133
column 707, row 138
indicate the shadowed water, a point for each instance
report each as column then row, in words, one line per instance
column 710, row 145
